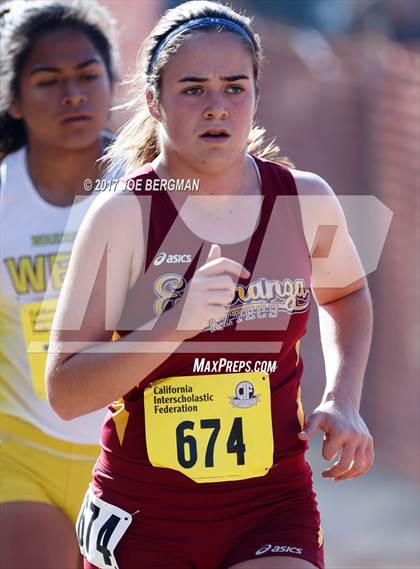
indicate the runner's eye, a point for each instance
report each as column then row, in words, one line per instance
column 193, row 91
column 89, row 76
column 47, row 82
column 235, row 89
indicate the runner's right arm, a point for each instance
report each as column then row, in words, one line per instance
column 85, row 370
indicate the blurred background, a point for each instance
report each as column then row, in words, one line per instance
column 341, row 93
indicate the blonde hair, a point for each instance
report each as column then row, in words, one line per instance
column 137, row 142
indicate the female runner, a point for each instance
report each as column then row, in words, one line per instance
column 57, row 72
column 207, row 293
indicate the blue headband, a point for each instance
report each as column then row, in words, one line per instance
column 199, row 23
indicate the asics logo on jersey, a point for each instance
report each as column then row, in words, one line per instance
column 278, row 549
column 165, row 258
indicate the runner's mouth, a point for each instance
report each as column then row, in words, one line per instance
column 215, row 135
column 76, row 119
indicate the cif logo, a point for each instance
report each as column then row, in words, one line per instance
column 165, row 258
column 244, row 390
column 244, row 395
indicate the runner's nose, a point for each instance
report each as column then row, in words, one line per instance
column 72, row 94
column 216, row 108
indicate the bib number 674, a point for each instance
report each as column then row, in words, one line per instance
column 99, row 528
column 234, row 443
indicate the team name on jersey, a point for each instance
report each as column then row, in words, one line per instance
column 262, row 298
column 32, row 274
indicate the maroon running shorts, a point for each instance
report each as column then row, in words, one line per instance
column 185, row 525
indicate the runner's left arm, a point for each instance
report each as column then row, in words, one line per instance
column 345, row 314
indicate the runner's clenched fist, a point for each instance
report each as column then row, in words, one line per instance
column 211, row 289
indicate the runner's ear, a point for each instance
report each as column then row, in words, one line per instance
column 14, row 110
column 153, row 104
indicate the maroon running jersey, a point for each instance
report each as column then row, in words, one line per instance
column 263, row 325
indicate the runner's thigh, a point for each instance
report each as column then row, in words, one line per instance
column 35, row 535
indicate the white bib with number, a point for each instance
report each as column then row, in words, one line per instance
column 99, row 528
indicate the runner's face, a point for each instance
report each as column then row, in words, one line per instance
column 64, row 91
column 207, row 89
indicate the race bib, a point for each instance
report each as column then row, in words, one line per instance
column 99, row 528
column 212, row 428
column 36, row 319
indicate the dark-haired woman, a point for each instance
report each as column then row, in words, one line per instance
column 202, row 462
column 57, row 73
